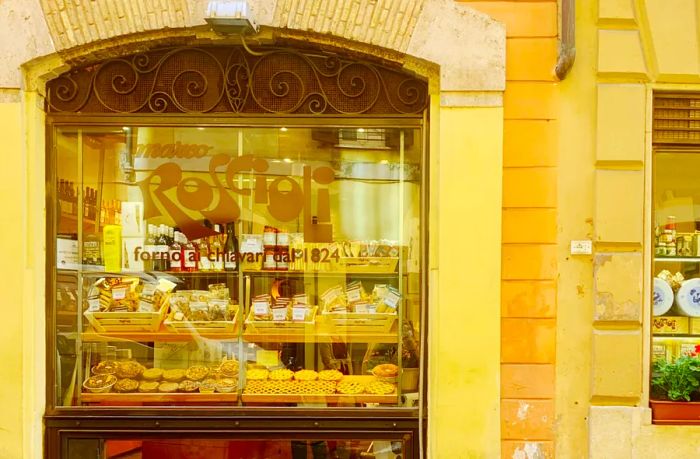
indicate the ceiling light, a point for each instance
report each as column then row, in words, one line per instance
column 287, row 160
column 283, row 129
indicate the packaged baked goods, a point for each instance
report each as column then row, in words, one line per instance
column 261, row 307
column 152, row 374
column 100, row 383
column 188, row 385
column 196, row 372
column 129, row 369
column 126, row 385
column 167, row 387
column 305, row 375
column 174, row 375
column 148, row 386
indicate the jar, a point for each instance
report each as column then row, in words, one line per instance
column 670, row 250
column 282, row 259
column 269, row 237
column 269, row 259
column 282, row 238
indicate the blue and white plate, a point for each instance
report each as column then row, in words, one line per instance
column 663, row 297
column 688, row 298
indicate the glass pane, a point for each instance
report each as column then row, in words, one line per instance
column 276, row 266
column 676, row 270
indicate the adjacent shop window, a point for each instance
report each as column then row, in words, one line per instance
column 675, row 375
column 236, row 266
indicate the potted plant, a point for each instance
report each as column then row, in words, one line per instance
column 675, row 385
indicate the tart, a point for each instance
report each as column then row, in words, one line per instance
column 306, row 375
column 229, row 368
column 152, row 374
column 174, row 375
column 100, row 383
column 225, row 385
column 281, row 374
column 386, row 370
column 129, row 370
column 196, row 372
column 350, row 387
column 256, row 374
column 167, row 387
column 330, row 375
column 148, row 386
column 207, row 386
column 380, row 388
column 126, row 385
column 188, row 386
column 106, row 367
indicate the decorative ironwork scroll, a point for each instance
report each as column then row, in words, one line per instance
column 231, row 80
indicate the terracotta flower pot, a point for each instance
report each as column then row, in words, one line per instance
column 675, row 412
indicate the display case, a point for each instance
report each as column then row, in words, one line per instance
column 229, row 265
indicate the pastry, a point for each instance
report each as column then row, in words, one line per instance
column 281, row 374
column 188, row 386
column 167, row 387
column 99, row 383
column 106, row 367
column 126, row 385
column 256, row 374
column 379, row 388
column 207, row 386
column 229, row 368
column 148, row 386
column 196, row 372
column 224, row 385
column 330, row 375
column 306, row 375
column 129, row 370
column 350, row 387
column 152, row 374
column 174, row 375
column 386, row 370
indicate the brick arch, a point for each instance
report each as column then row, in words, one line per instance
column 467, row 46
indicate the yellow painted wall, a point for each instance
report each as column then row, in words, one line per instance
column 464, row 322
column 12, row 244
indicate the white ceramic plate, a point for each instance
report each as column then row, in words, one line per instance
column 688, row 298
column 663, row 297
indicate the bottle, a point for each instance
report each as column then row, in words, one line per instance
column 175, row 253
column 103, row 214
column 92, row 249
column 161, row 258
column 71, row 202
column 216, row 248
column 150, row 249
column 231, row 248
column 189, row 254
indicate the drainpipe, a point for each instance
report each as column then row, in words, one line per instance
column 567, row 44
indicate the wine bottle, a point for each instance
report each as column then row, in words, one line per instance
column 231, row 248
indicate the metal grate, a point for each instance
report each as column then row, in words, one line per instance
column 676, row 119
column 227, row 79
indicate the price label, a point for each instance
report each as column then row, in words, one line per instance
column 119, row 293
column 146, row 306
column 392, row 299
column 299, row 314
column 361, row 308
column 354, row 295
column 260, row 308
column 93, row 304
column 279, row 314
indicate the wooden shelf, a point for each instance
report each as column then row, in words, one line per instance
column 335, row 399
column 322, row 337
column 163, row 334
column 175, row 397
column 317, row 273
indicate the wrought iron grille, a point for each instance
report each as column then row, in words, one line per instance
column 228, row 79
column 676, row 118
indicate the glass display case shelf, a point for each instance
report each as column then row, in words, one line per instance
column 93, row 336
column 157, row 398
column 663, row 336
column 322, row 337
column 87, row 272
column 331, row 399
column 320, row 274
column 678, row 259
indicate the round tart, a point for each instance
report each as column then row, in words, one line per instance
column 148, row 386
column 152, row 374
column 167, row 387
column 106, row 367
column 188, row 386
column 330, row 375
column 229, row 368
column 100, row 383
column 207, row 386
column 129, row 369
column 386, row 370
column 350, row 387
column 196, row 372
column 379, row 388
column 281, row 374
column 225, row 385
column 174, row 375
column 126, row 385
column 306, row 375
column 256, row 374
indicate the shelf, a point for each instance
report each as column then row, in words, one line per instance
column 678, row 259
column 175, row 397
column 675, row 335
column 102, row 273
column 335, row 399
column 317, row 274
column 163, row 335
column 322, row 337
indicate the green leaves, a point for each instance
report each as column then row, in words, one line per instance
column 678, row 380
